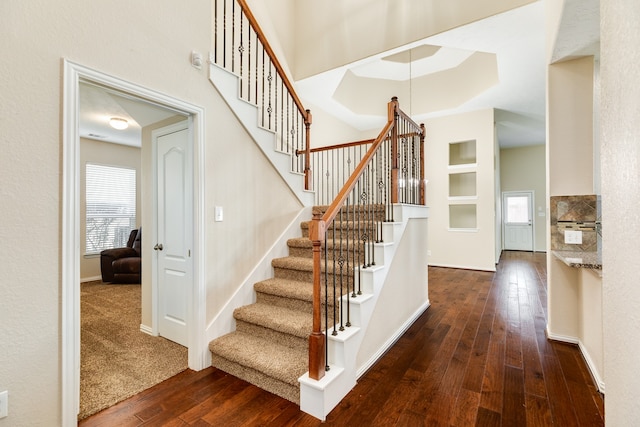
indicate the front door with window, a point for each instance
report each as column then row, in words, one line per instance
column 518, row 220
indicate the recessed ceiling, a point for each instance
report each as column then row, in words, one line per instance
column 450, row 78
column 497, row 62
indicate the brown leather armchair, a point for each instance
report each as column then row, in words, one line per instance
column 123, row 265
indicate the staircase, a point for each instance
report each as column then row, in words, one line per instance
column 265, row 333
column 269, row 347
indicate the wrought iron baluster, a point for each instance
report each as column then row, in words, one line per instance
column 333, row 237
column 326, row 305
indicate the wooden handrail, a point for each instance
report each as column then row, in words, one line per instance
column 279, row 69
column 338, row 146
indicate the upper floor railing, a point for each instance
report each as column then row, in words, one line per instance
column 241, row 47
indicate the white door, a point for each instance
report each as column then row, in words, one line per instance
column 518, row 220
column 174, row 231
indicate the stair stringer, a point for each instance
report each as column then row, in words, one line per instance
column 318, row 398
column 227, row 84
column 224, row 322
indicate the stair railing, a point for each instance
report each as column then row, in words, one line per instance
column 391, row 171
column 241, row 47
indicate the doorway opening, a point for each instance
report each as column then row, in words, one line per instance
column 74, row 75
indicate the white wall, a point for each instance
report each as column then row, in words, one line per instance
column 620, row 151
column 524, row 169
column 404, row 292
column 104, row 153
column 149, row 45
column 569, row 172
column 474, row 249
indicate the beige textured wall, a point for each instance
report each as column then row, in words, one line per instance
column 620, row 136
column 524, row 169
column 465, row 249
column 149, row 45
column 109, row 154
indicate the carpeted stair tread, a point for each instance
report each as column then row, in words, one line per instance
column 277, row 361
column 294, row 289
column 293, row 263
column 284, row 320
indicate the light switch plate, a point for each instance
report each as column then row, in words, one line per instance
column 573, row 237
column 218, row 213
column 4, row 404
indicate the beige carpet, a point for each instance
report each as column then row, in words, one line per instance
column 117, row 360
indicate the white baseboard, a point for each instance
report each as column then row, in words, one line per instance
column 585, row 354
column 592, row 367
column 391, row 341
column 462, row 267
column 90, row 279
column 563, row 338
column 147, row 330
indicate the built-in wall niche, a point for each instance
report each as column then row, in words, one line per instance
column 462, row 184
column 462, row 153
column 463, row 216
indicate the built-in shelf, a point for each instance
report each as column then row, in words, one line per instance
column 463, row 216
column 462, row 184
column 462, row 153
column 463, row 193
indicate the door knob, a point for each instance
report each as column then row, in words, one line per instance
column 158, row 247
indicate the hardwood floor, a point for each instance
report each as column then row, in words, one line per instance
column 478, row 356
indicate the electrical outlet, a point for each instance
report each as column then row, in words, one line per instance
column 573, row 237
column 4, row 404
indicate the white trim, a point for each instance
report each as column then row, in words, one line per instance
column 563, row 338
column 463, row 230
column 592, row 367
column 147, row 330
column 70, row 251
column 585, row 355
column 461, row 267
column 90, row 279
column 392, row 340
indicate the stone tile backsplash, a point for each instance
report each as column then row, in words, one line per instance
column 575, row 213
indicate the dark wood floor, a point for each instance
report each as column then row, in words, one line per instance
column 477, row 356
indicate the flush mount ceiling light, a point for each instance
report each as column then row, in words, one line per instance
column 118, row 123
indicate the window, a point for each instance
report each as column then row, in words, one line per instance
column 111, row 207
column 518, row 210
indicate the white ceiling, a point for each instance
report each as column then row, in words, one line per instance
column 516, row 37
column 97, row 105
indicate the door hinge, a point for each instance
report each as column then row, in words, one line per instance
column 189, row 255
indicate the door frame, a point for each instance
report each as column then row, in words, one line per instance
column 531, row 194
column 73, row 74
